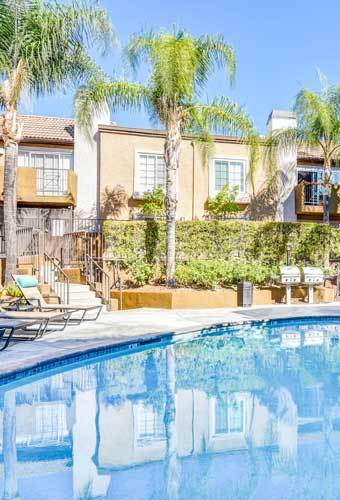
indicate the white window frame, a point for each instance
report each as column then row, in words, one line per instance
column 51, row 414
column 137, row 190
column 56, row 151
column 48, row 176
column 314, row 168
column 212, row 190
column 212, row 417
column 142, row 441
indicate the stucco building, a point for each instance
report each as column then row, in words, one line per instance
column 133, row 159
column 63, row 173
column 46, row 180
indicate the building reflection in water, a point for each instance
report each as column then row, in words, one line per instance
column 256, row 415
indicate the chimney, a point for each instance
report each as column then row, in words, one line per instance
column 279, row 119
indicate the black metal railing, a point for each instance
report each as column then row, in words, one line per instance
column 52, row 181
column 313, row 193
column 97, row 279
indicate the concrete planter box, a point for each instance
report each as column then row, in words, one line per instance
column 207, row 299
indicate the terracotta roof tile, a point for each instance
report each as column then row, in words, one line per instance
column 47, row 129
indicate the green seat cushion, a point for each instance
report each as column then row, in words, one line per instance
column 27, row 281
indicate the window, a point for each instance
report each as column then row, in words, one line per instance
column 47, row 158
column 230, row 172
column 149, row 172
column 52, row 169
column 51, row 422
column 335, row 176
column 228, row 416
column 311, row 402
column 149, row 423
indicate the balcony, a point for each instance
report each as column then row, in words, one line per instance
column 309, row 199
column 44, row 187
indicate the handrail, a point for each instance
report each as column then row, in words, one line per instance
column 56, row 278
column 117, row 279
column 95, row 274
column 312, row 183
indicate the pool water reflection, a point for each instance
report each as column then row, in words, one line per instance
column 250, row 415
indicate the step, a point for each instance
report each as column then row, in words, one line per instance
column 95, row 301
column 81, row 294
column 76, row 287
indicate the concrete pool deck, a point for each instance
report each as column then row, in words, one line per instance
column 121, row 327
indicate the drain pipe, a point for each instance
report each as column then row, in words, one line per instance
column 193, row 180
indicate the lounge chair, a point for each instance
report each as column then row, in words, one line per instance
column 9, row 327
column 46, row 319
column 31, row 293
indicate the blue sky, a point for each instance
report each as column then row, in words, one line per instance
column 279, row 46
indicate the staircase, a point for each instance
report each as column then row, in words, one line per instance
column 95, row 291
column 82, row 295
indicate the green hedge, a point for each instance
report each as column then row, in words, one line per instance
column 142, row 246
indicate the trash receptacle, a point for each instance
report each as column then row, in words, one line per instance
column 245, row 294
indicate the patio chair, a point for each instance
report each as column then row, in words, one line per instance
column 46, row 318
column 10, row 327
column 29, row 288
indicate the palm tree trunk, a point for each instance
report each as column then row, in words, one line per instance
column 171, row 155
column 10, row 138
column 327, row 191
column 9, row 447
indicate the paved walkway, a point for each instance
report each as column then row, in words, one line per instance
column 121, row 327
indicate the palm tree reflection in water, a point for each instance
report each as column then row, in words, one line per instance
column 171, row 465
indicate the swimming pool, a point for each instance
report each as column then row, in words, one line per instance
column 248, row 412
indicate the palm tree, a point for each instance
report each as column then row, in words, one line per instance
column 180, row 66
column 317, row 128
column 42, row 49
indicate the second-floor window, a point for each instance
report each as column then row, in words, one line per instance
column 52, row 169
column 149, row 423
column 230, row 172
column 50, row 422
column 149, row 172
column 228, row 416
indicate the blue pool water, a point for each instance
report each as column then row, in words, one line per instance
column 244, row 413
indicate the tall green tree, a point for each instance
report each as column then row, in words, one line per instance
column 42, row 49
column 317, row 129
column 179, row 68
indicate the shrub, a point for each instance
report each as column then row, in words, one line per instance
column 153, row 203
column 223, row 203
column 213, row 273
column 141, row 272
column 248, row 250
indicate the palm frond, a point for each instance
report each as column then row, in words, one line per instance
column 226, row 117
column 180, row 64
column 98, row 94
column 139, row 48
column 223, row 116
column 313, row 114
column 17, row 83
column 7, row 35
column 49, row 40
column 55, row 33
column 215, row 50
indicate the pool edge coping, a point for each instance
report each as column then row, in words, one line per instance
column 76, row 355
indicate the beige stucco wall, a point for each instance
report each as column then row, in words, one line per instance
column 118, row 148
column 119, row 447
column 27, row 189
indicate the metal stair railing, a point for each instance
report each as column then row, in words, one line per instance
column 117, row 279
column 56, row 278
column 95, row 274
